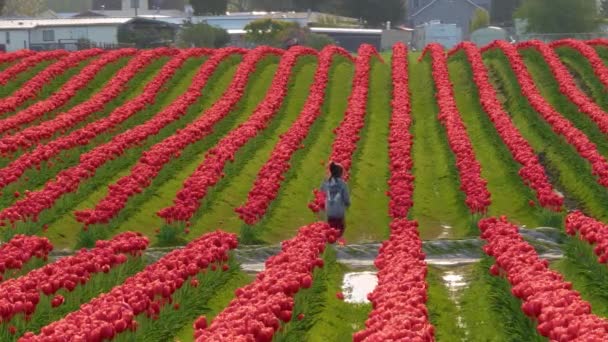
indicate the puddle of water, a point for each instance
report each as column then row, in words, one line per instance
column 447, row 231
column 455, row 281
column 357, row 285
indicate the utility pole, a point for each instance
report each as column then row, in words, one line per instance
column 135, row 5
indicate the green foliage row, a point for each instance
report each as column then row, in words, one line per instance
column 568, row 171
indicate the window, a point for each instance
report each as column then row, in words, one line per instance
column 8, row 37
column 166, row 4
column 109, row 5
column 48, row 35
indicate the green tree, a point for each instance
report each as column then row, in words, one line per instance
column 559, row 16
column 202, row 35
column 503, row 10
column 318, row 41
column 481, row 19
column 304, row 5
column 604, row 8
column 24, row 7
column 280, row 33
column 269, row 32
column 376, row 12
column 70, row 5
column 202, row 7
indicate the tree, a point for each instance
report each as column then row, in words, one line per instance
column 503, row 10
column 28, row 8
column 376, row 12
column 202, row 35
column 481, row 19
column 280, row 33
column 271, row 5
column 559, row 16
column 270, row 32
column 305, row 5
column 604, row 8
column 202, row 7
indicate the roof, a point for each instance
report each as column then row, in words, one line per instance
column 24, row 24
column 344, row 30
column 471, row 2
column 324, row 30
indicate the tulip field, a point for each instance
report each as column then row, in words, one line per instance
column 173, row 195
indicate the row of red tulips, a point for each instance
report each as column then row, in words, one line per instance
column 532, row 172
column 597, row 64
column 13, row 171
column 68, row 119
column 399, row 311
column 147, row 292
column 68, row 180
column 20, row 250
column 268, row 182
column 399, row 300
column 63, row 95
column 471, row 182
column 400, row 140
column 22, row 295
column 28, row 62
column 590, row 230
column 10, row 57
column 567, row 84
column 559, row 124
column 561, row 313
column 32, row 87
column 259, row 308
column 347, row 134
column 210, row 171
column 153, row 160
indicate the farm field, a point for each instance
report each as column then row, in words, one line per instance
column 172, row 195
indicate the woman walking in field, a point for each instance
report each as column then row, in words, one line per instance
column 337, row 198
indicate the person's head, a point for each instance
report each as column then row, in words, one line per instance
column 335, row 170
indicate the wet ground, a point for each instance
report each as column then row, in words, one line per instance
column 451, row 256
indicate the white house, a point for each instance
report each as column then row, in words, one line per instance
column 45, row 34
column 126, row 8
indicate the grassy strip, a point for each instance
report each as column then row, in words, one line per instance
column 64, row 229
column 326, row 318
column 491, row 312
column 510, row 194
column 217, row 208
column 6, row 65
column 437, row 200
column 192, row 301
column 289, row 210
column 20, row 79
column 568, row 171
column 45, row 313
column 220, row 300
column 582, row 71
column 160, row 192
column 33, row 179
column 589, row 277
column 443, row 312
column 603, row 52
column 93, row 87
column 133, row 88
column 368, row 219
column 165, row 186
column 53, row 86
column 549, row 88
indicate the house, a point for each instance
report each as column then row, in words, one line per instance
column 127, row 8
column 459, row 12
column 48, row 34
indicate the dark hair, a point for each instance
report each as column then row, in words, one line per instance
column 336, row 170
